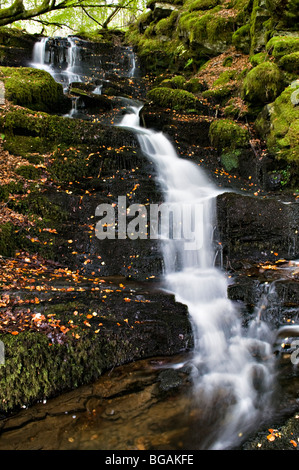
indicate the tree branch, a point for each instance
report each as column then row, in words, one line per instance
column 17, row 12
column 90, row 16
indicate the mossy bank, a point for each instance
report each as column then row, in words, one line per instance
column 243, row 56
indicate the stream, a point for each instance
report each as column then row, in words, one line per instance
column 211, row 398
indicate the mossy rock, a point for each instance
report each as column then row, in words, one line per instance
column 284, row 12
column 290, row 62
column 278, row 124
column 14, row 187
column 58, row 130
column 176, row 82
column 241, row 39
column 260, row 26
column 258, row 58
column 26, row 146
column 262, row 84
column 194, row 85
column 9, row 239
column 208, row 33
column 181, row 100
column 29, row 172
column 220, row 94
column 35, row 369
column 201, row 5
column 32, row 88
column 225, row 135
column 278, row 46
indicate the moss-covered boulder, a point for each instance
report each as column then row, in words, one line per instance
column 279, row 125
column 32, row 88
column 227, row 134
column 208, row 32
column 278, row 46
column 290, row 62
column 241, row 38
column 180, row 100
column 284, row 12
column 260, row 26
column 262, row 84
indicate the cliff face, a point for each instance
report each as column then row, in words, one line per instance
column 240, row 58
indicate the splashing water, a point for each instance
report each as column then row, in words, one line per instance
column 231, row 366
column 68, row 56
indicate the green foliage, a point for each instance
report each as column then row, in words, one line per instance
column 262, row 84
column 230, row 160
column 225, row 135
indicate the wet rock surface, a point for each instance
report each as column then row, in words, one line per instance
column 142, row 320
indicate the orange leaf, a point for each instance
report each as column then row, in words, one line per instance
column 294, row 443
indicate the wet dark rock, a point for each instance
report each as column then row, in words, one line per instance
column 91, row 101
column 257, row 229
column 15, row 47
column 169, row 379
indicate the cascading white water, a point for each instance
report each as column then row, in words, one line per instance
column 43, row 59
column 228, row 362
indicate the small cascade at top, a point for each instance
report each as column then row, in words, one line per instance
column 73, row 60
column 61, row 58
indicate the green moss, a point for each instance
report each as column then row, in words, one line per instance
column 278, row 46
column 31, row 148
column 35, row 203
column 32, row 88
column 35, row 369
column 225, row 77
column 218, row 94
column 177, row 82
column 71, row 165
column 258, row 59
column 290, row 62
column 280, row 128
column 285, row 13
column 262, row 84
column 50, row 129
column 11, row 188
column 201, row 5
column 170, row 98
column 166, row 26
column 194, row 85
column 28, row 171
column 227, row 61
column 209, row 29
column 226, row 134
column 241, row 39
column 9, row 239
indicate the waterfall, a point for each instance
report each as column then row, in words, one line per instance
column 64, row 65
column 229, row 362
